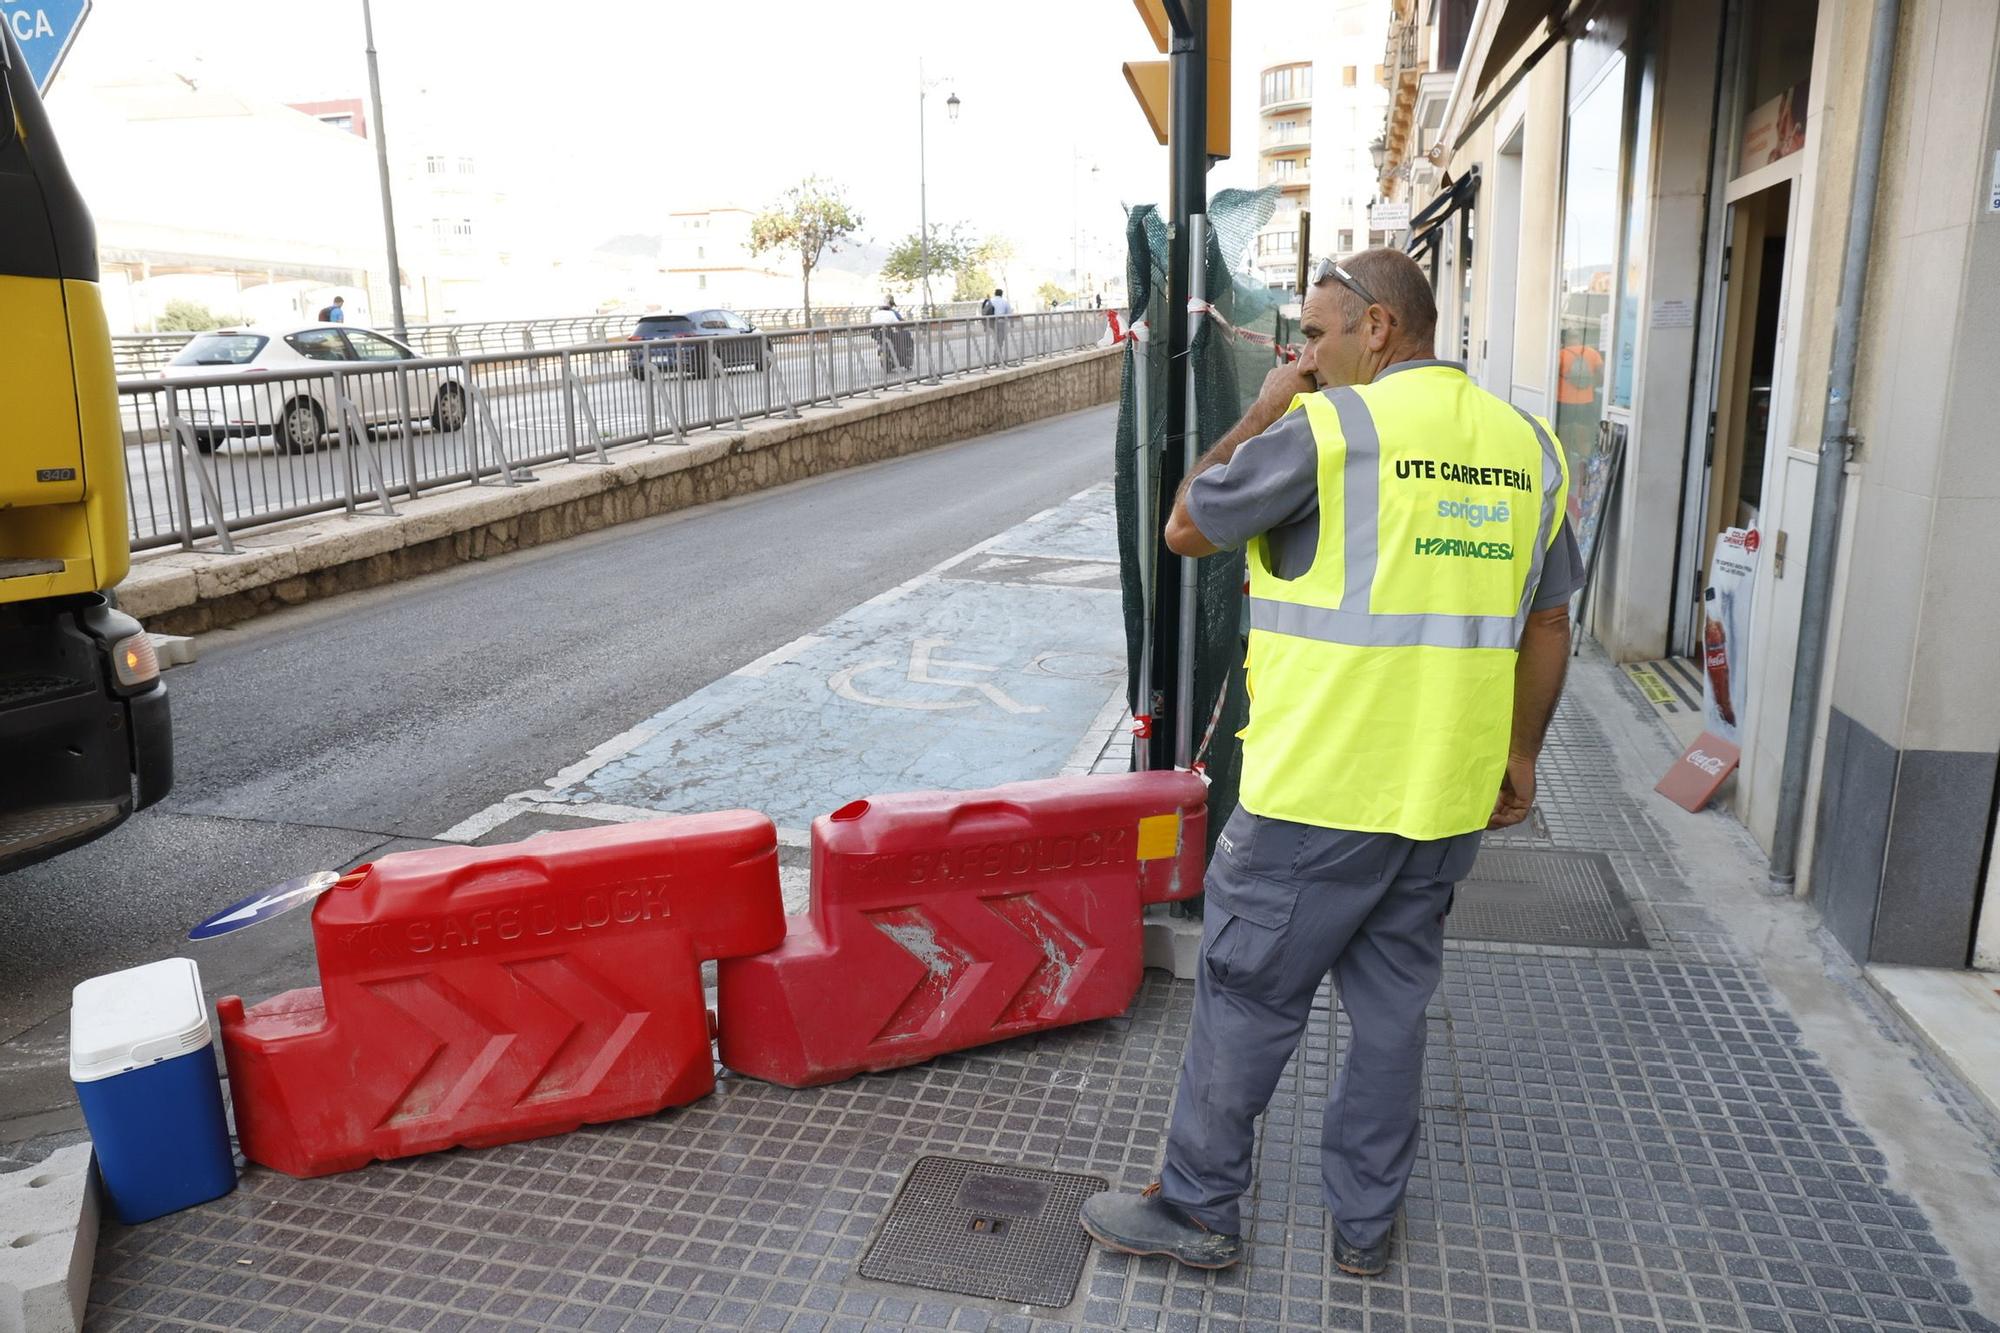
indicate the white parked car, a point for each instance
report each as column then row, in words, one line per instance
column 298, row 413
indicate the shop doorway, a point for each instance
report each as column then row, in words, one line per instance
column 1758, row 229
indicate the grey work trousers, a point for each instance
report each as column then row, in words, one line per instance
column 1288, row 903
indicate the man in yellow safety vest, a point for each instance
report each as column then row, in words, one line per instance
column 1410, row 578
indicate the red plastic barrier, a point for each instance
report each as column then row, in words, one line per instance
column 481, row 995
column 942, row 920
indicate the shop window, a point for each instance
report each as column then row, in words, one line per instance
column 1632, row 277
column 1585, row 280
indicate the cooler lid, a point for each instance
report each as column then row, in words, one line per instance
column 142, row 1015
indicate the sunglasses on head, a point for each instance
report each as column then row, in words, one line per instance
column 1334, row 270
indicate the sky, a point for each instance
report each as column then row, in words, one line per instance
column 608, row 116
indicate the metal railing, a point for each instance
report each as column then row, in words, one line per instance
column 143, row 353
column 210, row 456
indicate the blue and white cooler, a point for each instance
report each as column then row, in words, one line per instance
column 142, row 1057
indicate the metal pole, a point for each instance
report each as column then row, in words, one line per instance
column 1075, row 221
column 1187, row 195
column 1305, row 251
column 1836, row 441
column 382, row 170
column 923, row 191
column 1144, row 509
column 1190, row 449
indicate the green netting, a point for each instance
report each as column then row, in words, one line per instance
column 1232, row 351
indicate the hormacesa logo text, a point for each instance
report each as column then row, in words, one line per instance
column 1465, row 550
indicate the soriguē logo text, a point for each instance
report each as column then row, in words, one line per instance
column 1474, row 513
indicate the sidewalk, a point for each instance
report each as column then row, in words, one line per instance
column 1721, row 1130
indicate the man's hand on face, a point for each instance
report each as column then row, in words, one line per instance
column 1284, row 382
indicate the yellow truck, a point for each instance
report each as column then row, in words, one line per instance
column 85, row 733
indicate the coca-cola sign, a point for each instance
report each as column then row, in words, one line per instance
column 1700, row 772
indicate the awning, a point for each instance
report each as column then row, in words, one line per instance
column 1517, row 25
column 1456, row 196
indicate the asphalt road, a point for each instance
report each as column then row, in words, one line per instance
column 321, row 737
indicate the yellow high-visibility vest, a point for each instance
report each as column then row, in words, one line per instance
column 1382, row 677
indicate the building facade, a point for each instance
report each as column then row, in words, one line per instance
column 1314, row 119
column 1637, row 229
column 1284, row 160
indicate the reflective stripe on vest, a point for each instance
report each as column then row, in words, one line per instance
column 1381, row 675
column 1361, row 507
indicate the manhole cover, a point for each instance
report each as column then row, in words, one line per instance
column 1008, row 1233
column 1537, row 897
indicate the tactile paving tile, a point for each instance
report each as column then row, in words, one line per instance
column 1004, row 1232
column 1518, row 896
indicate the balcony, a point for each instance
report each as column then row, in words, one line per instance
column 1400, row 54
column 1285, row 88
column 1405, row 59
column 1275, row 142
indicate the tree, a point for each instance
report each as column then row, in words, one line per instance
column 1052, row 295
column 984, row 269
column 181, row 315
column 810, row 219
column 950, row 249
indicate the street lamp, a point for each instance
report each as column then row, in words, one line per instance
column 923, row 175
column 382, row 170
column 1076, row 160
column 1377, row 152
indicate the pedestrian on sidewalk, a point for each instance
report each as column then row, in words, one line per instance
column 1404, row 661
column 997, row 308
column 335, row 313
column 889, row 342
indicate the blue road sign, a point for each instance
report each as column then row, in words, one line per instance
column 44, row 28
column 265, row 904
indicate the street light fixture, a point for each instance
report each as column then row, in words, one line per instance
column 951, row 106
column 1377, row 152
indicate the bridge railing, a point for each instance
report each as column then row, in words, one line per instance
column 210, row 456
column 143, row 353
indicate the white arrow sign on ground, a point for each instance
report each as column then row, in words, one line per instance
column 265, row 904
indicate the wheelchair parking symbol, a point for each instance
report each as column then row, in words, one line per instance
column 924, row 669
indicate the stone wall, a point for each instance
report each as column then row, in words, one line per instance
column 189, row 592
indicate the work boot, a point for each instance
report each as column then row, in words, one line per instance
column 1145, row 1223
column 1360, row 1260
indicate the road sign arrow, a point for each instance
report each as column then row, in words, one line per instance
column 265, row 904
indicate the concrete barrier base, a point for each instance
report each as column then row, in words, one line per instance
column 48, row 1241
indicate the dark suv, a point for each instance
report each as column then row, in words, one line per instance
column 741, row 348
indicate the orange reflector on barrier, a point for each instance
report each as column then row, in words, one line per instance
column 481, row 995
column 942, row 920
